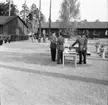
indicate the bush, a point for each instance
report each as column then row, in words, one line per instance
column 19, row 37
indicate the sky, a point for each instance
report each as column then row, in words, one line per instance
column 89, row 9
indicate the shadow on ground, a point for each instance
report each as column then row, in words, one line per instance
column 59, row 75
column 36, row 58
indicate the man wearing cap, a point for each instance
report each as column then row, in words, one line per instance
column 53, row 44
column 82, row 49
column 60, row 48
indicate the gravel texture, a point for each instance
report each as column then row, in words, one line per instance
column 28, row 77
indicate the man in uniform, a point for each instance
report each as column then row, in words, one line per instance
column 53, row 44
column 82, row 49
column 60, row 47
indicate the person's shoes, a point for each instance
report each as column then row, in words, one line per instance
column 84, row 62
column 79, row 63
column 58, row 63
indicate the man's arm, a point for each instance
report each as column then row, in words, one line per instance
column 57, row 43
column 73, row 44
column 85, row 44
column 53, row 40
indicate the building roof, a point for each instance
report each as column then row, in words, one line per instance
column 92, row 25
column 53, row 25
column 6, row 19
column 80, row 25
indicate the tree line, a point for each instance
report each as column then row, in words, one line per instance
column 69, row 13
column 29, row 15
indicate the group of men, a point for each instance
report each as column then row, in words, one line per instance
column 82, row 49
column 57, row 43
column 5, row 38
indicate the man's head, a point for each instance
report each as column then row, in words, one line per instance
column 83, row 36
column 59, row 33
column 78, row 36
column 53, row 34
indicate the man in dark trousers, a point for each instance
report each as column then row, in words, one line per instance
column 60, row 47
column 53, row 44
column 82, row 49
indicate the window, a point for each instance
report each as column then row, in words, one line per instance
column 95, row 33
column 106, row 32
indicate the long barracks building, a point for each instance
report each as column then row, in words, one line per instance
column 94, row 29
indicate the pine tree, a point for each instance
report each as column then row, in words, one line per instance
column 24, row 12
column 69, row 13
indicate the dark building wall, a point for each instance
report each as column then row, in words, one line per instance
column 55, row 30
column 1, row 29
column 5, row 29
column 25, row 30
column 52, row 30
column 10, row 27
column 83, row 31
column 102, row 33
column 92, row 33
column 99, row 32
column 22, row 28
column 15, row 27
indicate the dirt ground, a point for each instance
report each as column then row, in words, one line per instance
column 29, row 77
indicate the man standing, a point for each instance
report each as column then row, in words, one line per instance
column 82, row 49
column 53, row 44
column 60, row 47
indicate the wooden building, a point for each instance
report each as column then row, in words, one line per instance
column 93, row 29
column 14, row 26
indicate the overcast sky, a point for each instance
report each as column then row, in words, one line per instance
column 89, row 9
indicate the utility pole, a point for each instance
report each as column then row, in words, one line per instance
column 107, row 12
column 9, row 7
column 9, row 2
column 50, row 18
column 33, row 19
column 25, row 11
column 39, row 39
column 32, row 26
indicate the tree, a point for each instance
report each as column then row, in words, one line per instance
column 57, row 21
column 4, row 9
column 34, row 13
column 14, row 10
column 69, row 13
column 24, row 12
column 97, row 20
column 33, row 17
column 85, row 20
